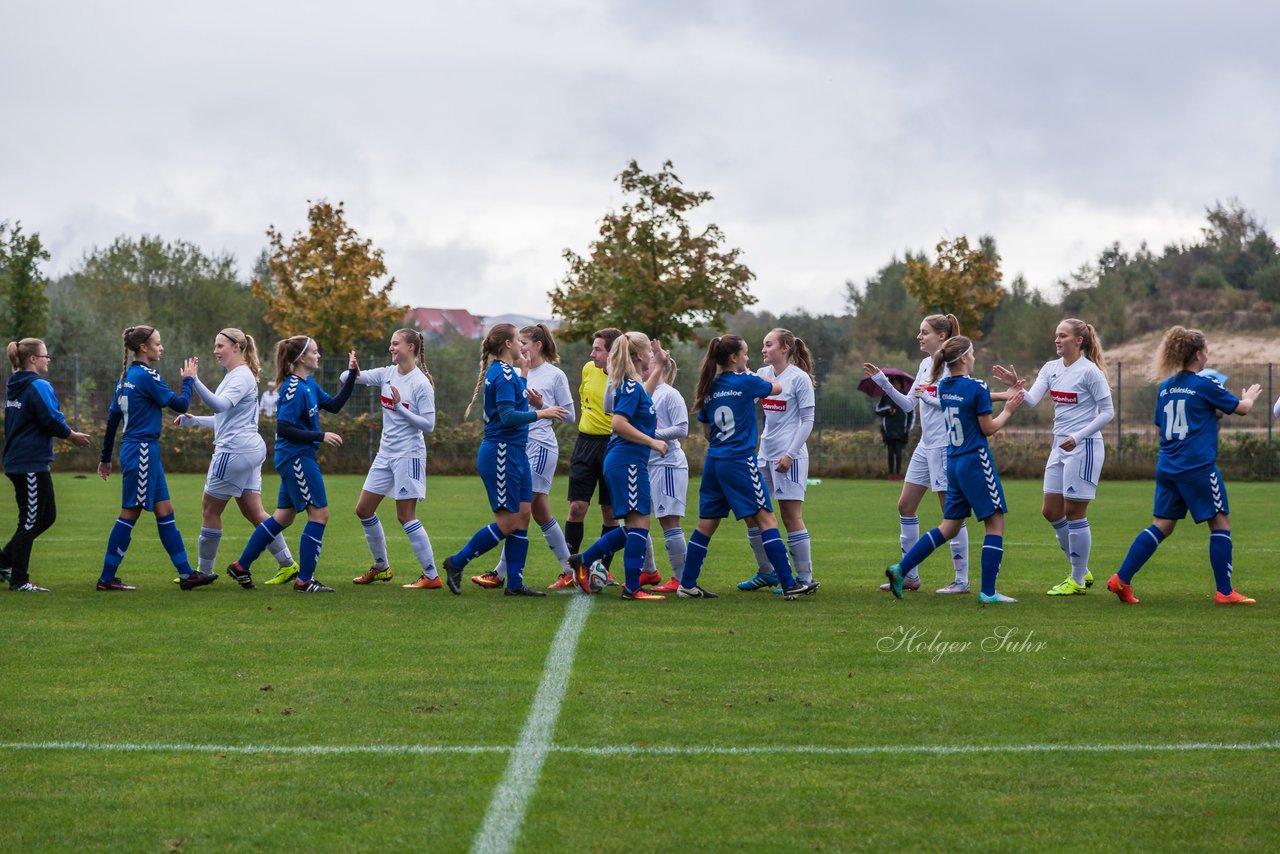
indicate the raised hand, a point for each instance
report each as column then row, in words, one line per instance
column 352, row 363
column 190, row 366
column 870, row 369
column 1251, row 393
column 1008, row 376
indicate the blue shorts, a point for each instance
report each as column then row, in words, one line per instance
column 629, row 487
column 144, row 483
column 732, row 485
column 301, row 484
column 973, row 487
column 1201, row 491
column 504, row 468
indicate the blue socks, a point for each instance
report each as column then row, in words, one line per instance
column 611, row 540
column 1220, row 559
column 171, row 539
column 117, row 545
column 921, row 550
column 633, row 556
column 695, row 554
column 776, row 549
column 1144, row 546
column 515, row 551
column 992, row 554
column 312, row 542
column 481, row 541
column 262, row 536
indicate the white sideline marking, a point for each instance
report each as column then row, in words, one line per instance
column 634, row 750
column 502, row 821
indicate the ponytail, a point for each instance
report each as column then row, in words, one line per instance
column 1090, row 345
column 797, row 351
column 415, row 337
column 248, row 347
column 492, row 346
column 948, row 354
column 288, row 352
column 20, row 352
column 627, row 350
column 717, row 357
column 1179, row 347
column 541, row 333
column 134, row 337
column 945, row 325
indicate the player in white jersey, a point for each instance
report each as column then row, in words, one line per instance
column 1077, row 384
column 238, row 451
column 783, row 456
column 546, row 386
column 399, row 469
column 668, row 480
column 928, row 467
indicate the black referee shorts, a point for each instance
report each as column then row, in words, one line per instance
column 586, row 468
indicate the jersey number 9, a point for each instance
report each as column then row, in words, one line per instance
column 724, row 423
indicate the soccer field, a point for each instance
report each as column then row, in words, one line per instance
column 386, row 719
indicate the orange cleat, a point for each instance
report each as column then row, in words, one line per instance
column 488, row 581
column 1233, row 598
column 670, row 587
column 424, row 583
column 1122, row 590
column 374, row 574
column 641, row 594
column 564, row 582
column 650, row 579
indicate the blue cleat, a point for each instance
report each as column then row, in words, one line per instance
column 759, row 582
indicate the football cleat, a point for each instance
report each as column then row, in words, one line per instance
column 581, row 573
column 114, row 584
column 759, row 581
column 894, row 574
column 453, row 577
column 996, row 598
column 642, row 595
column 285, row 573
column 610, row 581
column 524, row 590
column 694, row 592
column 488, row 581
column 955, row 587
column 1067, row 587
column 424, row 583
column 36, row 588
column 241, row 576
column 801, row 588
column 197, row 579
column 1088, row 578
column 1232, row 598
column 563, row 582
column 1122, row 590
column 312, row 586
column 671, row 585
column 374, row 574
column 650, row 579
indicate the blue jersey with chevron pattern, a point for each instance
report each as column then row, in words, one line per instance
column 298, row 405
column 503, row 384
column 1187, row 407
column 631, row 401
column 140, row 399
column 730, row 409
column 963, row 400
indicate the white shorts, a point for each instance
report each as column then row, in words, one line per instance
column 397, row 477
column 233, row 474
column 785, row 486
column 542, row 465
column 928, row 468
column 1074, row 474
column 668, row 487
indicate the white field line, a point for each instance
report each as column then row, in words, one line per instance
column 635, row 750
column 501, row 827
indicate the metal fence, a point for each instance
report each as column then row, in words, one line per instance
column 845, row 441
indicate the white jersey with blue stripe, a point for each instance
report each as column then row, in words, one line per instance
column 235, row 431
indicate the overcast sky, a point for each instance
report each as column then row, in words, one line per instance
column 474, row 141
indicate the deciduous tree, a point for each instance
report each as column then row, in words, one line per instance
column 26, row 305
column 961, row 281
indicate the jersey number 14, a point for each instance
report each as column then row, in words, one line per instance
column 1175, row 420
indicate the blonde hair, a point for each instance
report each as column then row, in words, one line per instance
column 1178, row 348
column 948, row 354
column 797, row 351
column 494, row 342
column 414, row 337
column 288, row 352
column 627, row 351
column 669, row 373
column 20, row 352
column 1090, row 344
column 945, row 325
column 719, row 352
column 248, row 347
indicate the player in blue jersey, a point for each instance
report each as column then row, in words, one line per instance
column 298, row 437
column 626, row 460
column 1187, row 476
column 139, row 399
column 973, row 486
column 726, row 405
column 32, row 421
column 502, row 462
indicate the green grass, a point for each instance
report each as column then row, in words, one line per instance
column 385, row 666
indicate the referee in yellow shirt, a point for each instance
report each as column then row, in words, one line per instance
column 586, row 466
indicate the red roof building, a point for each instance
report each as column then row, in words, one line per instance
column 441, row 322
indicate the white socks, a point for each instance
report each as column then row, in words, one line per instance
column 960, row 553
column 421, row 545
column 1081, row 541
column 377, row 540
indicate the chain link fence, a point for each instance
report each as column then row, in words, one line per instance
column 845, row 441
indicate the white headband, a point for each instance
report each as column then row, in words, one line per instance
column 961, row 356
column 310, row 342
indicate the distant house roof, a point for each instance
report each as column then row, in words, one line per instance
column 443, row 321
